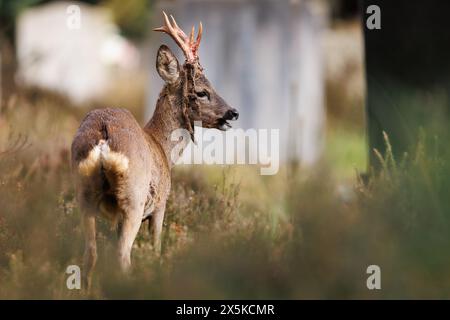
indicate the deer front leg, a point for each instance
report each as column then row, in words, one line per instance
column 90, row 250
column 128, row 231
column 157, row 224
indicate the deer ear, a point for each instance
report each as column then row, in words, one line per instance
column 167, row 65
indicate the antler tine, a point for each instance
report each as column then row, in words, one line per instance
column 178, row 29
column 166, row 28
column 191, row 37
column 167, row 21
column 160, row 29
column 199, row 35
column 196, row 45
column 175, row 25
column 174, row 22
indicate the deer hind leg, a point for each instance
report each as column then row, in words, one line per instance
column 127, row 234
column 90, row 251
column 157, row 224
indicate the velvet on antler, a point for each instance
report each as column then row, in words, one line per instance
column 188, row 45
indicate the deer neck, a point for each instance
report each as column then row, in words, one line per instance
column 167, row 118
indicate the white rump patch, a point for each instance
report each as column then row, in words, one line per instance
column 113, row 161
column 102, row 154
column 91, row 163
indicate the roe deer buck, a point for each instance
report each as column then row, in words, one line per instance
column 122, row 170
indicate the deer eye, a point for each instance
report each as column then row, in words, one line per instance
column 202, row 94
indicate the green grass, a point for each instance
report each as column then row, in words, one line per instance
column 346, row 151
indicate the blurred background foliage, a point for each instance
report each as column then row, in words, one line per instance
column 132, row 17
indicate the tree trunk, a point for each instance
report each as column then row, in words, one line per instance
column 408, row 73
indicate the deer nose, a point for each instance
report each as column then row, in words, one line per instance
column 232, row 114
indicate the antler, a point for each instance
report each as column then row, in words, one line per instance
column 187, row 44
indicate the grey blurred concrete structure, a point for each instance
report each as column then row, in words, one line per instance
column 265, row 57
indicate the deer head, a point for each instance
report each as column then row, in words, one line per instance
column 199, row 101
